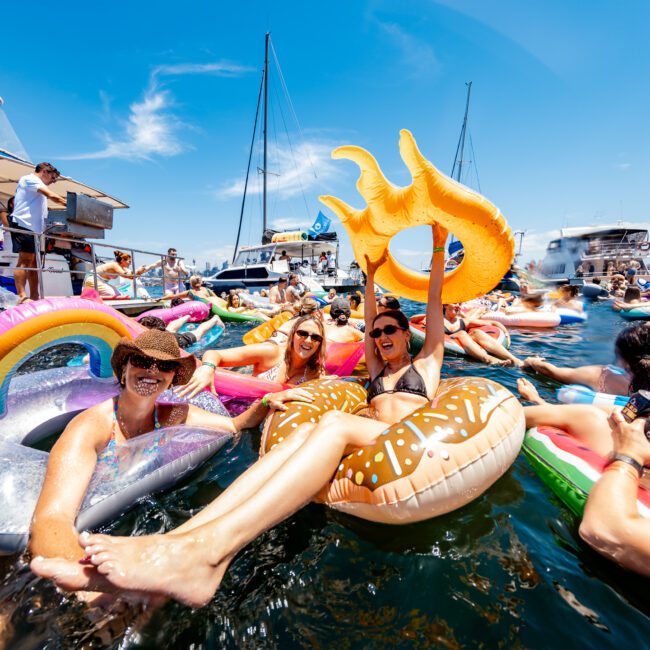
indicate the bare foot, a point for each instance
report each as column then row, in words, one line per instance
column 493, row 361
column 71, row 575
column 183, row 567
column 529, row 392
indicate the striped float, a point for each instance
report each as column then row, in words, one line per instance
column 569, row 468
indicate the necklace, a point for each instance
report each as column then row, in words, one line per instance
column 119, row 418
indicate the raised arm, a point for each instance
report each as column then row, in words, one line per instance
column 370, row 312
column 434, row 341
column 69, row 469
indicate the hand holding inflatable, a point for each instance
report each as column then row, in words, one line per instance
column 431, row 198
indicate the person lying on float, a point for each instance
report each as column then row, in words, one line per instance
column 189, row 563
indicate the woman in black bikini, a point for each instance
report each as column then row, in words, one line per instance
column 189, row 562
column 477, row 343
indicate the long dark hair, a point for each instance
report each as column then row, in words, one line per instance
column 317, row 360
column 633, row 347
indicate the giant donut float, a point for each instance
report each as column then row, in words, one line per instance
column 438, row 459
column 431, row 198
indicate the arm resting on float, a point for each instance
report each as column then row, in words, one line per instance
column 69, row 469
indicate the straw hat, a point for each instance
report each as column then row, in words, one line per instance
column 157, row 345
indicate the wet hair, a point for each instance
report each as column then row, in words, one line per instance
column 46, row 167
column 633, row 347
column 195, row 279
column 317, row 360
column 153, row 323
column 121, row 256
column 176, row 301
column 354, row 298
column 632, row 293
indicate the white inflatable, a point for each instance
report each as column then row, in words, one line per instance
column 527, row 319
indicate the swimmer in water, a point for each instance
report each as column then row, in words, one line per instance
column 189, row 563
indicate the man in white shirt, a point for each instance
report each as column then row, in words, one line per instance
column 28, row 216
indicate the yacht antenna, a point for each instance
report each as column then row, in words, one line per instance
column 458, row 160
column 266, row 111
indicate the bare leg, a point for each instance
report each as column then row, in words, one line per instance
column 585, row 375
column 190, row 566
column 205, row 327
column 494, row 347
column 25, row 260
column 32, row 279
column 177, row 323
column 586, row 422
column 473, row 349
column 250, row 481
column 529, row 392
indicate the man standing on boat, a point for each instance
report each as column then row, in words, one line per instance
column 174, row 272
column 28, row 216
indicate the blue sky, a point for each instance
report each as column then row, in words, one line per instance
column 155, row 106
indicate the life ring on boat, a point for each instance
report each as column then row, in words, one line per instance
column 569, row 468
column 33, row 326
column 197, row 311
column 643, row 246
column 431, row 198
column 439, row 458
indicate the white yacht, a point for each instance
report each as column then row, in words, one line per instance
column 587, row 251
column 258, row 267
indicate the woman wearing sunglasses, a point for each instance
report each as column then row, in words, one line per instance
column 302, row 357
column 145, row 368
column 189, row 562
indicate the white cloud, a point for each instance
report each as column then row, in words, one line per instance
column 535, row 243
column 415, row 53
column 408, row 252
column 290, row 171
column 623, row 166
column 151, row 128
column 289, row 223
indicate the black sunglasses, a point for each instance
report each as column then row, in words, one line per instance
column 304, row 334
column 144, row 363
column 389, row 330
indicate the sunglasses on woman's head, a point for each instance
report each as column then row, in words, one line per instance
column 304, row 334
column 389, row 330
column 144, row 363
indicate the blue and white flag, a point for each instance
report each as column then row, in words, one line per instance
column 321, row 225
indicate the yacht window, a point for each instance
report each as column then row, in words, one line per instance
column 554, row 245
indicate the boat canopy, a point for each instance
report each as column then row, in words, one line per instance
column 295, row 249
column 619, row 227
column 13, row 168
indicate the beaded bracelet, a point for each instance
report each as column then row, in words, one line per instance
column 209, row 364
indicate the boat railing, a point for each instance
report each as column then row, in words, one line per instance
column 619, row 249
column 43, row 239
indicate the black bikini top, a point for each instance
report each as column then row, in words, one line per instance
column 410, row 382
column 462, row 328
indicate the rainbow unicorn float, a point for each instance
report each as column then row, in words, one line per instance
column 52, row 397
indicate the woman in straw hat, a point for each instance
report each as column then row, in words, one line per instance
column 145, row 368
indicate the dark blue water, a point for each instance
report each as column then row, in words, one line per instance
column 508, row 570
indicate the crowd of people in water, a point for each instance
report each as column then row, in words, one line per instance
column 189, row 562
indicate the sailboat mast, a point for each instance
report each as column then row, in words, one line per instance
column 458, row 160
column 266, row 111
